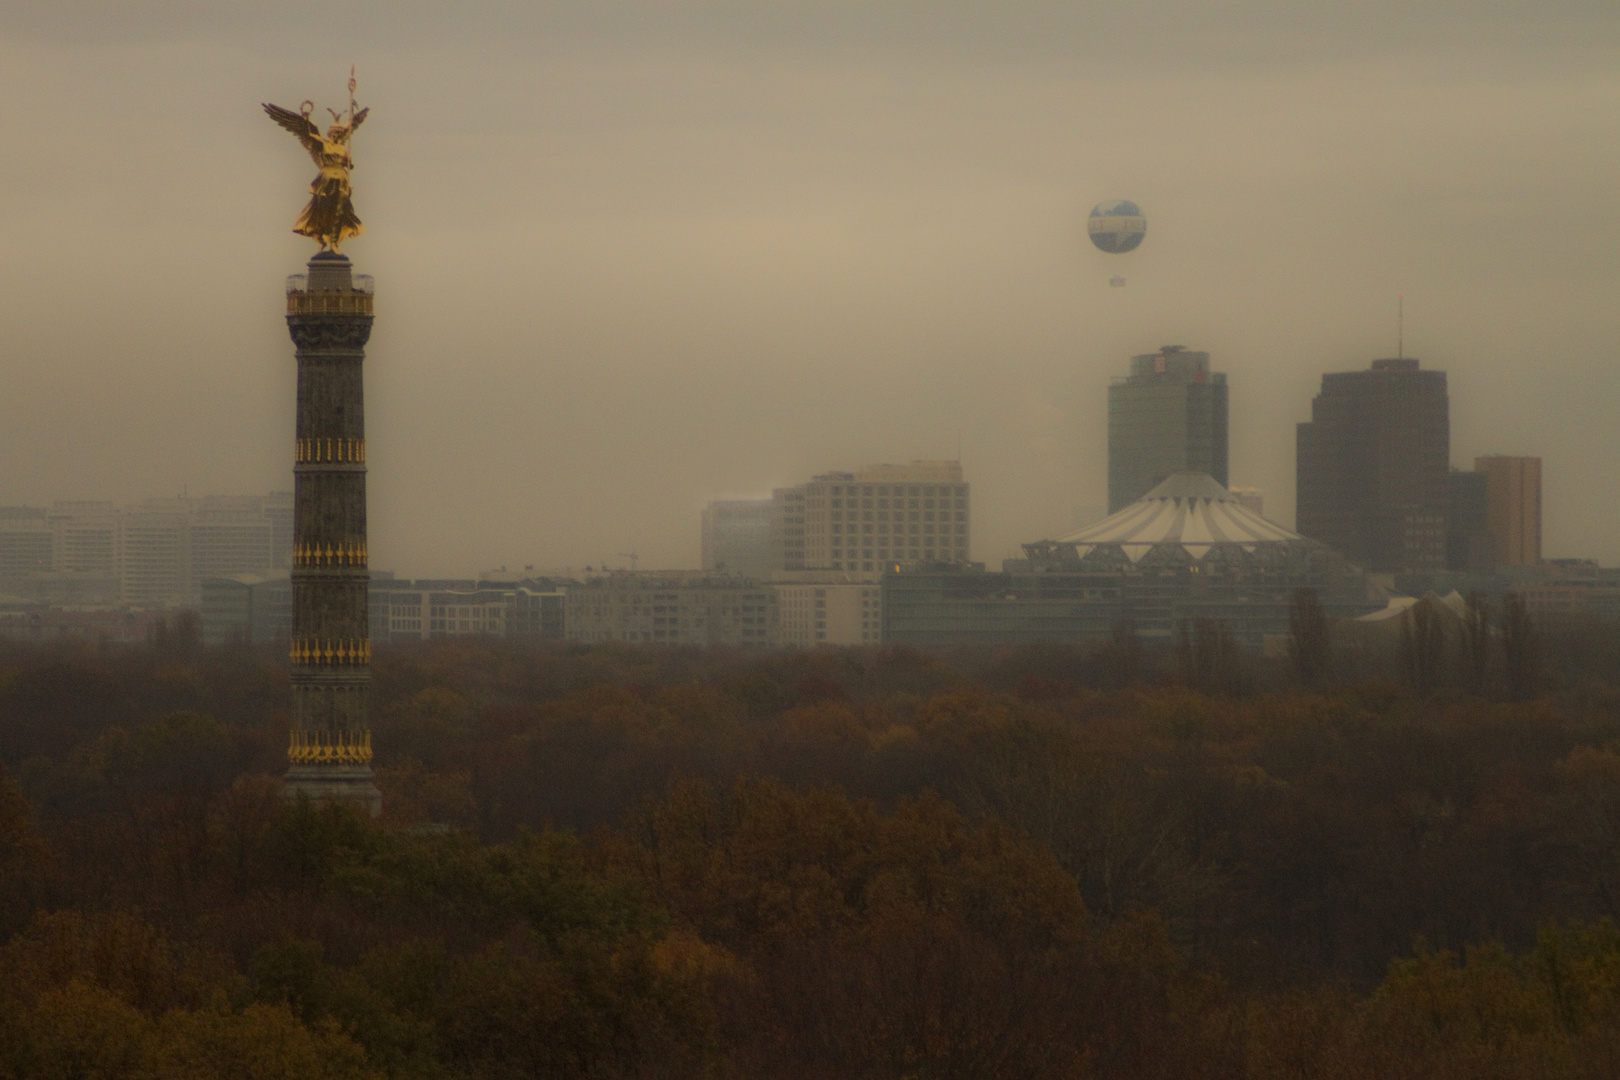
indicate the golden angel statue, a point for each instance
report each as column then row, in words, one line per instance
column 329, row 217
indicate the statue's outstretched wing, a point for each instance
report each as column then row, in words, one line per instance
column 299, row 125
column 359, row 118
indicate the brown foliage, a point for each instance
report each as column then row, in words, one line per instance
column 621, row 862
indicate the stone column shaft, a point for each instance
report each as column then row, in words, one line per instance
column 329, row 753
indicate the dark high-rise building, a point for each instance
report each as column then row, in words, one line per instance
column 1469, row 545
column 329, row 314
column 1372, row 466
column 1168, row 415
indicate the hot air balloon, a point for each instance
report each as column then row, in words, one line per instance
column 1116, row 226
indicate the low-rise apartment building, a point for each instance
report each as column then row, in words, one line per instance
column 673, row 607
column 827, row 609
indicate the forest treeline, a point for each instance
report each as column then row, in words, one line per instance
column 612, row 861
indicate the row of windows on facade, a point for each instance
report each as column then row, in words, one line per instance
column 884, row 490
column 866, row 561
column 883, row 527
column 659, row 609
column 676, row 620
column 458, row 626
column 839, row 506
column 656, row 598
column 481, row 611
column 820, row 623
column 837, row 516
column 663, row 635
column 882, row 546
column 156, row 552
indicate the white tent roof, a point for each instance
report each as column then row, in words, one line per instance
column 1190, row 508
column 1453, row 601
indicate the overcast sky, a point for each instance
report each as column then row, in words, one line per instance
column 631, row 257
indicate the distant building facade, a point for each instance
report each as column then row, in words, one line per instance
column 258, row 607
column 229, row 533
column 787, row 528
column 25, row 546
column 1187, row 550
column 1513, row 507
column 537, row 611
column 1469, row 544
column 672, row 607
column 436, row 608
column 1372, row 466
column 737, row 536
column 156, row 553
column 247, row 607
column 1564, row 588
column 153, row 553
column 84, row 538
column 1556, row 587
column 431, row 608
column 863, row 522
column 1169, row 414
column 21, row 621
column 827, row 609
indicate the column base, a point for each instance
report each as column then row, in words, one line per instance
column 353, row 782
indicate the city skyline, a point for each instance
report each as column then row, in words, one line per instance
column 732, row 255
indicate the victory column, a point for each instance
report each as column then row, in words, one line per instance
column 329, row 314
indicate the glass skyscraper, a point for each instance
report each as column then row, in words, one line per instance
column 1169, row 414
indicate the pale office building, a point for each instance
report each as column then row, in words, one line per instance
column 25, row 545
column 437, row 608
column 867, row 521
column 824, row 611
column 737, row 536
column 449, row 613
column 278, row 510
column 1513, row 508
column 787, row 528
column 672, row 607
column 84, row 538
column 31, row 570
column 455, row 607
column 229, row 535
column 154, row 552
